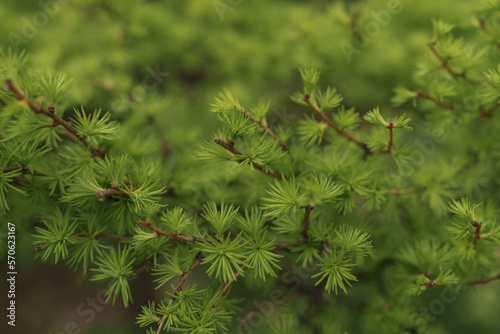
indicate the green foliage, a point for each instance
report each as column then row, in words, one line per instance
column 354, row 208
column 57, row 236
column 115, row 267
column 337, row 271
column 225, row 257
column 93, row 127
column 220, row 220
column 52, row 87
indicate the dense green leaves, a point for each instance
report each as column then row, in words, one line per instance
column 337, row 273
column 94, row 127
column 350, row 201
column 115, row 267
column 226, row 257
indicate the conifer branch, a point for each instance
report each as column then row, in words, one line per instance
column 263, row 305
column 484, row 280
column 447, row 66
column 266, row 129
column 85, row 234
column 230, row 147
column 58, row 120
column 391, row 137
column 105, row 193
column 280, row 246
column 23, row 170
column 177, row 289
column 307, row 214
column 146, row 264
column 327, row 250
column 430, row 284
column 390, row 126
column 427, row 96
column 482, row 26
column 488, row 112
column 477, row 231
column 178, row 237
column 224, row 288
column 335, row 126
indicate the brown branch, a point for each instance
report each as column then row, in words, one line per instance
column 178, row 237
column 23, row 170
column 477, row 231
column 263, row 305
column 484, row 280
column 265, row 128
column 430, row 283
column 58, row 120
column 391, row 137
column 390, row 126
column 482, row 25
column 105, row 193
column 230, row 147
column 280, row 246
column 488, row 112
column 85, row 234
column 427, row 96
column 327, row 250
column 225, row 287
column 146, row 264
column 335, row 126
column 399, row 191
column 177, row 289
column 307, row 214
column 446, row 65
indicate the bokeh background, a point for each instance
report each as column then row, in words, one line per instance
column 171, row 58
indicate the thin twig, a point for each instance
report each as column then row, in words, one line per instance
column 482, row 25
column 23, row 170
column 484, row 280
column 105, row 193
column 284, row 246
column 307, row 214
column 446, row 65
column 178, row 237
column 391, row 137
column 334, row 125
column 41, row 110
column 230, row 147
column 390, row 126
column 488, row 112
column 266, row 128
column 146, row 264
column 327, row 250
column 427, row 96
column 177, row 289
column 477, row 231
column 225, row 287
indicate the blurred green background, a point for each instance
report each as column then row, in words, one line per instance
column 173, row 57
